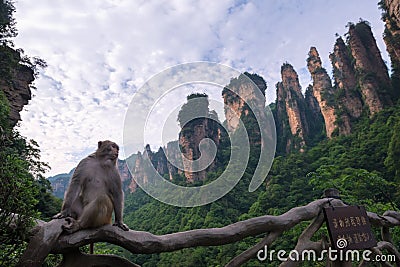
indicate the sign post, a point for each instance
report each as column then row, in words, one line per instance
column 349, row 227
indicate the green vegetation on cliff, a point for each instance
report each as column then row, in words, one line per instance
column 23, row 189
column 25, row 194
column 363, row 166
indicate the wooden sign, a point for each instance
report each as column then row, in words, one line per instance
column 349, row 227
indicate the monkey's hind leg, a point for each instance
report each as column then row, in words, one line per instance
column 97, row 213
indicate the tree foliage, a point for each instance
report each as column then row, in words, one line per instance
column 17, row 189
column 24, row 192
column 7, row 22
column 195, row 108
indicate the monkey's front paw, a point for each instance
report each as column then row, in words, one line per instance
column 121, row 225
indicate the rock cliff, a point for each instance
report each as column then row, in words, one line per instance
column 322, row 90
column 393, row 10
column 291, row 111
column 361, row 80
column 174, row 155
column 157, row 159
column 205, row 125
column 314, row 118
column 185, row 152
column 295, row 103
column 15, row 81
column 235, row 106
column 298, row 117
column 346, row 81
column 189, row 141
column 159, row 163
column 371, row 70
column 391, row 36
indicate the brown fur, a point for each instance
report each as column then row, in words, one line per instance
column 95, row 191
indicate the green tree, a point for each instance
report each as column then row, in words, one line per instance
column 196, row 107
column 19, row 166
column 47, row 204
column 357, row 186
column 7, row 22
column 392, row 161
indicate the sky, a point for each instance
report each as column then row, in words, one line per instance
column 100, row 52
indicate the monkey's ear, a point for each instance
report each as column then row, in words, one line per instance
column 99, row 144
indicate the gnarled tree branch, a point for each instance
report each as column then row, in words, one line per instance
column 146, row 243
column 50, row 240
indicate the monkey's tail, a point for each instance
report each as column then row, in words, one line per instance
column 91, row 248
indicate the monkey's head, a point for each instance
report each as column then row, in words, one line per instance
column 107, row 150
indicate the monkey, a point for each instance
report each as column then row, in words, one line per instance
column 94, row 192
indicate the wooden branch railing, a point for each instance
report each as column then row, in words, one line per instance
column 49, row 238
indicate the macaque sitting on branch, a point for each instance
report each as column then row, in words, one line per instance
column 94, row 192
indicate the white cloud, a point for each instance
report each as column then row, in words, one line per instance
column 99, row 52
